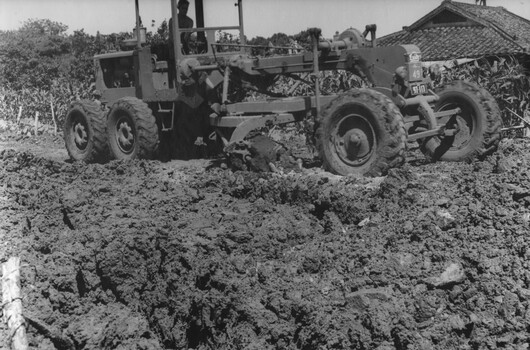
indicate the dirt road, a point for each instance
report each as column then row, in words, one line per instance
column 179, row 255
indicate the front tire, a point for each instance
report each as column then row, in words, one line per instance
column 84, row 132
column 478, row 126
column 361, row 132
column 132, row 130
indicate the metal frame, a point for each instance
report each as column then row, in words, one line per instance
column 349, row 51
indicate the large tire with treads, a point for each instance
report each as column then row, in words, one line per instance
column 132, row 130
column 478, row 126
column 84, row 132
column 361, row 132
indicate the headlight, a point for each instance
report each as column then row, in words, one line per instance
column 414, row 57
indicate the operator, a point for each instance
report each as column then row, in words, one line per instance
column 184, row 22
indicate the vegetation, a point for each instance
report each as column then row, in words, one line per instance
column 43, row 69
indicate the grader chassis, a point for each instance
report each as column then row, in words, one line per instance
column 363, row 130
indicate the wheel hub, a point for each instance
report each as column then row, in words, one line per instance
column 353, row 140
column 462, row 134
column 125, row 136
column 355, row 144
column 80, row 135
column 458, row 130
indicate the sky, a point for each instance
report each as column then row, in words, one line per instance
column 261, row 17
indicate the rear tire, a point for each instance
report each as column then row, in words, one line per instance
column 361, row 132
column 84, row 132
column 479, row 123
column 132, row 130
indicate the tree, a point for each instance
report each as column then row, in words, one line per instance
column 303, row 39
column 261, row 44
column 80, row 64
column 28, row 56
column 159, row 41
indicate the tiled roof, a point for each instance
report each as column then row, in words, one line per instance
column 445, row 43
column 492, row 31
column 516, row 27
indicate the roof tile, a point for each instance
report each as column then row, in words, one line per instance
column 502, row 33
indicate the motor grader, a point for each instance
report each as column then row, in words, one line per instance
column 362, row 130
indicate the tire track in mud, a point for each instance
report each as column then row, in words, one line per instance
column 148, row 255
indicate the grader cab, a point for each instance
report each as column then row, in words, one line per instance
column 197, row 93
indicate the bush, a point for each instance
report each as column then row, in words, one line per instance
column 41, row 67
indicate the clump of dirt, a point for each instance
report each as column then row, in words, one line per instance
column 261, row 153
column 150, row 255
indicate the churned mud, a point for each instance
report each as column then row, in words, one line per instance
column 188, row 255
